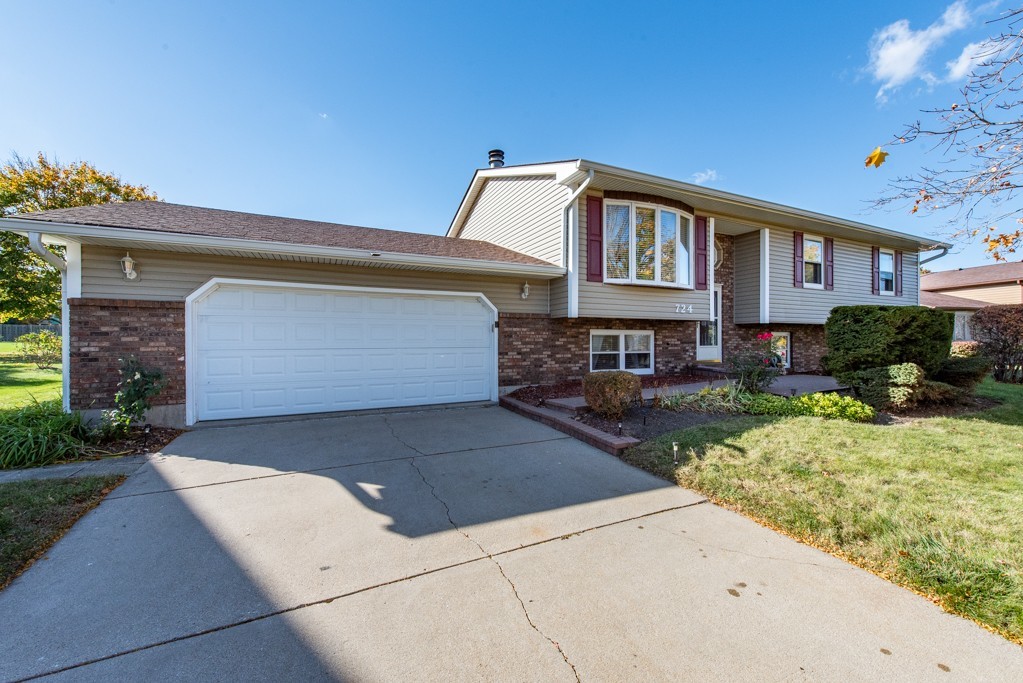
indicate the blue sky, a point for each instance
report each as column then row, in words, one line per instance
column 377, row 113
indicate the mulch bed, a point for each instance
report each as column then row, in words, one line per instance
column 139, row 443
column 967, row 406
column 647, row 423
column 536, row 394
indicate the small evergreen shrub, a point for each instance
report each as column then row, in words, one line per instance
column 999, row 329
column 137, row 388
column 965, row 372
column 933, row 393
column 758, row 367
column 864, row 337
column 40, row 348
column 767, row 404
column 888, row 387
column 611, row 394
column 832, row 406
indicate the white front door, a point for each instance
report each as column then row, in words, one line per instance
column 708, row 334
column 260, row 350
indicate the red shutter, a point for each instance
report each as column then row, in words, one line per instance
column 594, row 239
column 898, row 273
column 829, row 263
column 797, row 259
column 875, row 270
column 701, row 252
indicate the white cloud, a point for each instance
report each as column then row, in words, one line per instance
column 703, row 177
column 323, row 116
column 897, row 52
column 960, row 67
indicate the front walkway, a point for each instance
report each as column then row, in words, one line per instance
column 125, row 464
column 451, row 545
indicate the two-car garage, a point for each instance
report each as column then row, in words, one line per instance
column 258, row 349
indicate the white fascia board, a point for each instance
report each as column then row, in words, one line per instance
column 285, row 248
column 480, row 177
column 700, row 191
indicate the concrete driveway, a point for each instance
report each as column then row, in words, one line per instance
column 464, row 544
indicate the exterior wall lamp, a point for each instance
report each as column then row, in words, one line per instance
column 128, row 267
column 525, row 291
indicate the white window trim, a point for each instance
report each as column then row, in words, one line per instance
column 621, row 350
column 631, row 280
column 823, row 262
column 890, row 252
column 788, row 359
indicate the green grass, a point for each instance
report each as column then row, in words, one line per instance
column 21, row 382
column 34, row 514
column 935, row 505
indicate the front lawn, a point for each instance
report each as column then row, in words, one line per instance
column 21, row 382
column 34, row 514
column 934, row 504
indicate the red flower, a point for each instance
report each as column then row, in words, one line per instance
column 764, row 336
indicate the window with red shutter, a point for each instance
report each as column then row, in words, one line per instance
column 594, row 239
column 797, row 259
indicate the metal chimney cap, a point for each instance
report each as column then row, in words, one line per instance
column 496, row 158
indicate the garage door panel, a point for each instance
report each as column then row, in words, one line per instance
column 282, row 351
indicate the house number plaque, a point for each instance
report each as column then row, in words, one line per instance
column 683, row 308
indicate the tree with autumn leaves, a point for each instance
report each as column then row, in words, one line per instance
column 976, row 184
column 29, row 287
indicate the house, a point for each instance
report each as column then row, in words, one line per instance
column 967, row 290
column 547, row 271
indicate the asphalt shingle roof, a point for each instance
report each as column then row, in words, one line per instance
column 947, row 301
column 967, row 277
column 193, row 220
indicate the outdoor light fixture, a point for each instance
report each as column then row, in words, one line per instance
column 674, row 448
column 128, row 266
column 525, row 291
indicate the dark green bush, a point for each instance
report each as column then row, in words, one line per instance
column 41, row 434
column 933, row 393
column 766, row 404
column 863, row 337
column 611, row 394
column 965, row 372
column 892, row 386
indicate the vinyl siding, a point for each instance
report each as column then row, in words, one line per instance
column 995, row 294
column 852, row 282
column 170, row 276
column 521, row 214
column 599, row 300
column 559, row 297
column 746, row 304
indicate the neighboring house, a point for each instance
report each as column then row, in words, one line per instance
column 967, row 290
column 548, row 271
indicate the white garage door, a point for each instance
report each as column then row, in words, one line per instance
column 285, row 350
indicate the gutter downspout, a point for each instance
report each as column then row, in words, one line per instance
column 944, row 252
column 35, row 243
column 570, row 223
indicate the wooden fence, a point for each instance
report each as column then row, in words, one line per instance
column 11, row 332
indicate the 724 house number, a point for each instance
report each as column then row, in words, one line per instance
column 683, row 308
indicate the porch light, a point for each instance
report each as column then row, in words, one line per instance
column 525, row 291
column 128, row 267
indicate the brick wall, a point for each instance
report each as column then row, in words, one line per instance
column 537, row 349
column 104, row 330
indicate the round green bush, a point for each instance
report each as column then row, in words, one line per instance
column 611, row 394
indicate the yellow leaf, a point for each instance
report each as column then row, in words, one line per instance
column 876, row 158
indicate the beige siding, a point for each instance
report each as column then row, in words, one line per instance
column 559, row 297
column 522, row 214
column 852, row 282
column 169, row 276
column 994, row 294
column 746, row 262
column 599, row 300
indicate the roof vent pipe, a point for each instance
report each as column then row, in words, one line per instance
column 496, row 158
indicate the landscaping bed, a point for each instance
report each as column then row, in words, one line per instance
column 537, row 394
column 647, row 423
column 35, row 514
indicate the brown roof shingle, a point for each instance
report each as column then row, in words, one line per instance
column 967, row 277
column 193, row 220
column 949, row 302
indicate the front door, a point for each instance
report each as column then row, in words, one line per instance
column 708, row 335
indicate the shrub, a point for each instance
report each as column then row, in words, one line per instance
column 965, row 349
column 931, row 393
column 758, row 367
column 965, row 372
column 863, row 337
column 40, row 434
column 41, row 348
column 767, row 404
column 999, row 329
column 892, row 386
column 138, row 386
column 611, row 394
column 832, row 406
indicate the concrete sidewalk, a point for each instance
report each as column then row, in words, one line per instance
column 125, row 464
column 451, row 545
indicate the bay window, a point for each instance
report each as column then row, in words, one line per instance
column 631, row 350
column 647, row 244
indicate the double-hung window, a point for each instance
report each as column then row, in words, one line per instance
column 631, row 350
column 646, row 244
column 813, row 262
column 886, row 271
